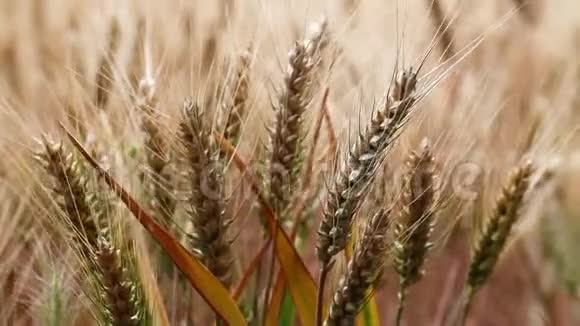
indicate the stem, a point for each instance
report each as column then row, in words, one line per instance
column 256, row 298
column 252, row 267
column 189, row 314
column 270, row 277
column 320, row 295
column 174, row 309
column 467, row 305
column 401, row 304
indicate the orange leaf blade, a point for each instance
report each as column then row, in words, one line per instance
column 273, row 312
column 300, row 283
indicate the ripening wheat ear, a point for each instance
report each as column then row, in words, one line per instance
column 443, row 28
column 359, row 168
column 317, row 41
column 286, row 138
column 362, row 272
column 207, row 195
column 157, row 152
column 415, row 222
column 236, row 106
column 288, row 133
column 529, row 10
column 496, row 232
column 105, row 75
column 348, row 188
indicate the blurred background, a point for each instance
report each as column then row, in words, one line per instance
column 501, row 79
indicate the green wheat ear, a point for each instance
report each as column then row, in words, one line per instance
column 86, row 215
column 496, row 231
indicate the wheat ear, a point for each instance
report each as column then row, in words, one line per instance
column 286, row 138
column 359, row 168
column 443, row 28
column 207, row 195
column 157, row 152
column 362, row 272
column 236, row 107
column 85, row 211
column 69, row 189
column 415, row 222
column 495, row 232
column 347, row 190
column 119, row 290
column 105, row 75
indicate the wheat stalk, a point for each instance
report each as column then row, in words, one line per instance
column 287, row 137
column 56, row 310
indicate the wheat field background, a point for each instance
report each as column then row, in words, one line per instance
column 499, row 85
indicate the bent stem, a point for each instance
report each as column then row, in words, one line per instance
column 469, row 294
column 401, row 305
column 271, row 271
column 324, row 270
column 253, row 266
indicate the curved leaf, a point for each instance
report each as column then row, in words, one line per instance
column 275, row 306
column 369, row 316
